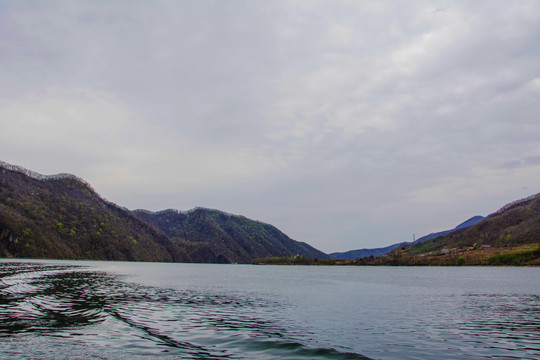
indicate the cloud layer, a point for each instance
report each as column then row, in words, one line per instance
column 346, row 124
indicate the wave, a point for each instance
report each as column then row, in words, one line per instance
column 78, row 303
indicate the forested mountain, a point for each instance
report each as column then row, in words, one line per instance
column 232, row 238
column 62, row 217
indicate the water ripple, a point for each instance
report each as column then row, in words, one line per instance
column 52, row 311
column 84, row 307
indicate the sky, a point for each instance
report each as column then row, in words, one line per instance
column 346, row 124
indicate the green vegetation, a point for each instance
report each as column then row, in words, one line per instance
column 231, row 238
column 502, row 239
column 515, row 258
column 298, row 260
column 64, row 218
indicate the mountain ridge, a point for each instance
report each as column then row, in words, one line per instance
column 517, row 222
column 510, row 237
column 232, row 237
column 62, row 216
column 375, row 252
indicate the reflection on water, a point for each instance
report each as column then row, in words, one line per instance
column 63, row 311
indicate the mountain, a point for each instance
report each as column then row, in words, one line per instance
column 364, row 253
column 515, row 224
column 463, row 225
column 509, row 236
column 232, row 238
column 62, row 217
column 472, row 221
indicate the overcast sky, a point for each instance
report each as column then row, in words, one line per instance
column 346, row 124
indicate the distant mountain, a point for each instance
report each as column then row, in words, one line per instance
column 62, row 217
column 515, row 224
column 463, row 225
column 232, row 238
column 363, row 253
column 472, row 221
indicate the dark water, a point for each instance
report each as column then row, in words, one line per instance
column 100, row 310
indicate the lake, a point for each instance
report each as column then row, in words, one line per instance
column 122, row 310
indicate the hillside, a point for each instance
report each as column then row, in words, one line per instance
column 510, row 236
column 62, row 217
column 364, row 253
column 231, row 238
column 467, row 223
column 511, row 226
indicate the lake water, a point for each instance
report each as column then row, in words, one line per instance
column 117, row 310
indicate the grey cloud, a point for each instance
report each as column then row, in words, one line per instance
column 532, row 160
column 513, row 164
column 521, row 163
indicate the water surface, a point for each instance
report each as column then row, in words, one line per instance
column 115, row 310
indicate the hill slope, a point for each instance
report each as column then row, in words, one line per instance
column 63, row 217
column 510, row 236
column 231, row 238
column 364, row 253
column 515, row 224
